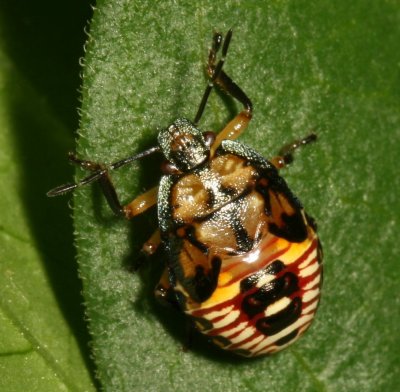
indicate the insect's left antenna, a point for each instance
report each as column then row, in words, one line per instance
column 99, row 171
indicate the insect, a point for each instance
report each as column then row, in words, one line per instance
column 243, row 259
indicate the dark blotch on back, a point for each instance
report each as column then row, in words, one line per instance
column 294, row 229
column 251, row 281
column 191, row 237
column 228, row 190
column 275, row 267
column 287, row 338
column 243, row 240
column 203, row 284
column 263, row 190
column 269, row 293
column 279, row 321
column 210, row 202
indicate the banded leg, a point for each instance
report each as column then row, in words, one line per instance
column 137, row 206
column 285, row 156
column 239, row 123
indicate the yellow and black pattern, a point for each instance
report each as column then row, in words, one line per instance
column 242, row 257
column 245, row 259
column 264, row 311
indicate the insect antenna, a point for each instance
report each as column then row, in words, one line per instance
column 99, row 171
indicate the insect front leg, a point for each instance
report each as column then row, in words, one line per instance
column 218, row 77
column 141, row 203
column 285, row 156
column 101, row 172
column 104, row 180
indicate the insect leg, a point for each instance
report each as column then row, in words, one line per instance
column 217, row 40
column 151, row 245
column 218, row 77
column 285, row 156
column 165, row 291
column 102, row 176
column 148, row 249
column 100, row 173
column 137, row 206
column 141, row 203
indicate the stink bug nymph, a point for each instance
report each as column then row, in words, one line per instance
column 242, row 258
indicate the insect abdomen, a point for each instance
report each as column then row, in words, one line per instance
column 264, row 311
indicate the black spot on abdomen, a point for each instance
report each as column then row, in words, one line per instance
column 269, row 293
column 203, row 284
column 287, row 338
column 277, row 322
column 252, row 280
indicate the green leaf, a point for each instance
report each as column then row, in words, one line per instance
column 43, row 344
column 331, row 67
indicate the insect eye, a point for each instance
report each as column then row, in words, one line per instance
column 169, row 168
column 209, row 138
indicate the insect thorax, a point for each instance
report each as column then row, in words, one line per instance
column 217, row 205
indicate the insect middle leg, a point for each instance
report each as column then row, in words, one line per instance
column 285, row 155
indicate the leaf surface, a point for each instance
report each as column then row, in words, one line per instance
column 43, row 343
column 328, row 67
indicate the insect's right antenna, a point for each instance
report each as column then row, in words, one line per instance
column 99, row 171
